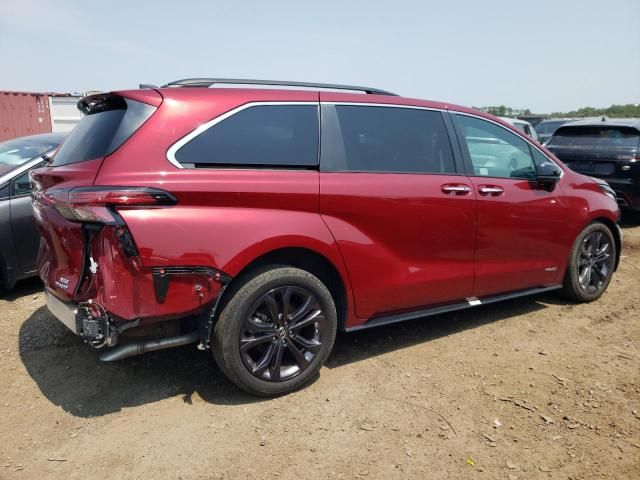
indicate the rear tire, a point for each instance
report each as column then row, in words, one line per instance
column 591, row 264
column 276, row 331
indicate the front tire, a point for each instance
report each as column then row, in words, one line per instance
column 591, row 264
column 276, row 331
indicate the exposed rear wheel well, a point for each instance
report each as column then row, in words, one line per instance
column 303, row 259
column 616, row 236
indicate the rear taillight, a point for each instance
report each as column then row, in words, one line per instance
column 99, row 204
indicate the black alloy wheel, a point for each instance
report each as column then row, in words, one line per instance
column 595, row 262
column 275, row 330
column 591, row 263
column 282, row 333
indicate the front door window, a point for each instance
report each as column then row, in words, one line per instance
column 495, row 151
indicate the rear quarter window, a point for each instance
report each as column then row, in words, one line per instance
column 260, row 135
column 100, row 134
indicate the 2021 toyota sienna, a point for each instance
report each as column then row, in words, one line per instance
column 258, row 221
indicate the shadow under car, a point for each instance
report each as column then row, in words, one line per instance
column 70, row 374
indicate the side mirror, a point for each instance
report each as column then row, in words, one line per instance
column 548, row 173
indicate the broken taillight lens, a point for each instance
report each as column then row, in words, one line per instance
column 99, row 204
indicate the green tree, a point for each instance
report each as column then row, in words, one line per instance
column 630, row 110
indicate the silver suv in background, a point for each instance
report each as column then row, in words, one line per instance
column 522, row 125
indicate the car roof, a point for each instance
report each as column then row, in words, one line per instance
column 605, row 122
column 548, row 120
column 241, row 95
column 229, row 97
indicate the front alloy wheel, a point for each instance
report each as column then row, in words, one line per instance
column 595, row 262
column 591, row 264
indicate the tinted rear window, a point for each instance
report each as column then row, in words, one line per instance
column 267, row 135
column 609, row 137
column 385, row 139
column 100, row 134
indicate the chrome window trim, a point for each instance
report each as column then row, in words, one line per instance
column 524, row 137
column 171, row 152
column 173, row 149
column 391, row 105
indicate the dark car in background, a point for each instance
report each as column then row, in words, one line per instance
column 546, row 128
column 606, row 149
column 19, row 237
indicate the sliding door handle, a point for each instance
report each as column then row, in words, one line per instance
column 456, row 189
column 490, row 190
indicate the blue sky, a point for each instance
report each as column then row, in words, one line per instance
column 547, row 55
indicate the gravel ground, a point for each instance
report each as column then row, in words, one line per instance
column 531, row 388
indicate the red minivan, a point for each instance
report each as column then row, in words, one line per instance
column 258, row 221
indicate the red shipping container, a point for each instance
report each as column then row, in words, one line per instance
column 23, row 113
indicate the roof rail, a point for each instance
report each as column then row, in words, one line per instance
column 207, row 82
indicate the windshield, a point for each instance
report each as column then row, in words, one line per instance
column 548, row 127
column 14, row 153
column 596, row 136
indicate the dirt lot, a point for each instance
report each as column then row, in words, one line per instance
column 532, row 388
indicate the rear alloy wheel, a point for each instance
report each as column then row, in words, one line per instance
column 276, row 332
column 282, row 334
column 591, row 264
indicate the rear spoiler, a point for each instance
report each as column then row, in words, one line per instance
column 101, row 102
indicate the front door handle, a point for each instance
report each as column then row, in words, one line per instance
column 490, row 190
column 456, row 189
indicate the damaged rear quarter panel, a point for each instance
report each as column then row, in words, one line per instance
column 227, row 218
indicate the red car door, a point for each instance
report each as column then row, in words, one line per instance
column 522, row 236
column 403, row 218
